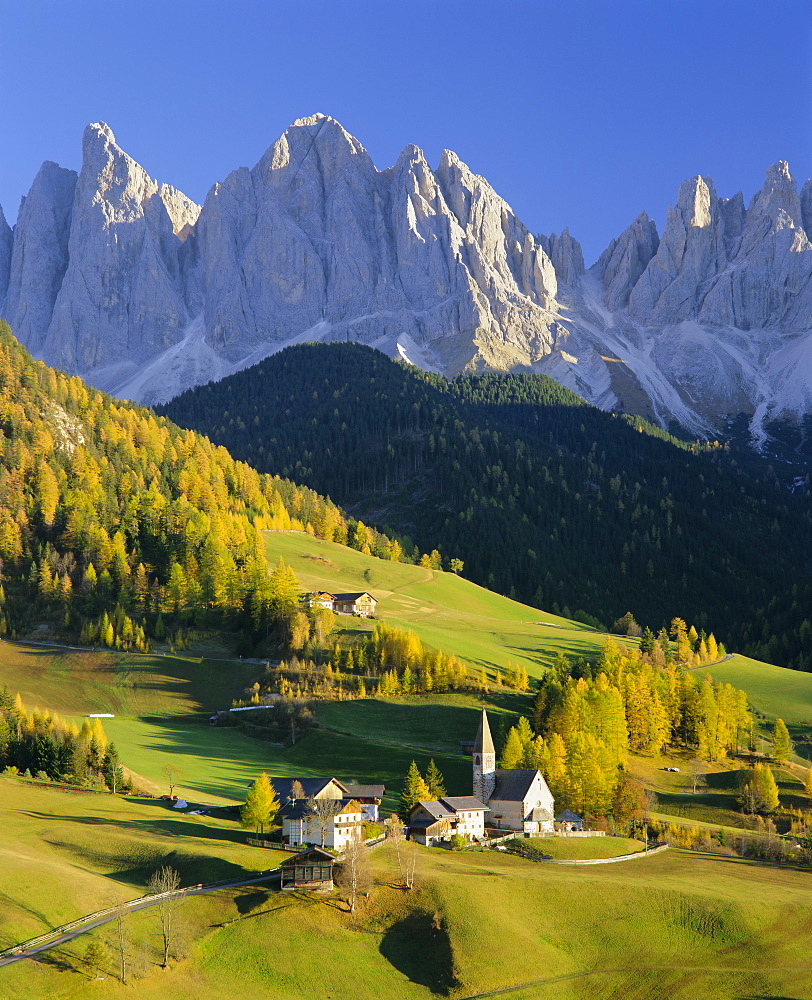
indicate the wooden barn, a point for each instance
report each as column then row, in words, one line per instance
column 312, row 869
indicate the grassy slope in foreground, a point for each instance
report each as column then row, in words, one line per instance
column 64, row 854
column 676, row 925
column 447, row 612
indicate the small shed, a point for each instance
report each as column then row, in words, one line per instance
column 568, row 821
column 312, row 869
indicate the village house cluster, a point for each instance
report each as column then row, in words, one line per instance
column 330, row 813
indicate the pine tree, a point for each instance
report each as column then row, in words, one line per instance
column 513, row 751
column 414, row 790
column 782, row 746
column 434, row 781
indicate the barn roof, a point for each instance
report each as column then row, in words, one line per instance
column 311, row 854
column 513, row 784
column 352, row 597
column 438, row 810
column 311, row 786
column 366, row 791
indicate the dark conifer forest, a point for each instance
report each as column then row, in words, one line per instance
column 544, row 497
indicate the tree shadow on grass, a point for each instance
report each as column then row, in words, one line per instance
column 419, row 947
column 248, row 901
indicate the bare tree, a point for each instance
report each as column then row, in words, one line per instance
column 119, row 944
column 165, row 880
column 173, row 775
column 405, row 855
column 297, row 790
column 323, row 811
column 355, row 877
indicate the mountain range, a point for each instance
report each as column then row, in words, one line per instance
column 111, row 275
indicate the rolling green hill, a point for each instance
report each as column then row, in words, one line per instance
column 446, row 611
column 676, row 925
column 544, row 497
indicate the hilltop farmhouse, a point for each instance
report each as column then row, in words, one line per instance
column 362, row 603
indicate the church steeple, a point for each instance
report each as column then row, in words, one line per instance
column 484, row 761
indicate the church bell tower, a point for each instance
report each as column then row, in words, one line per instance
column 484, row 761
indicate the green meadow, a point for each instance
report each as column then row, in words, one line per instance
column 676, row 925
column 446, row 611
column 65, row 853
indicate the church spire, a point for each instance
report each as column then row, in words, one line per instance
column 484, row 762
column 484, row 740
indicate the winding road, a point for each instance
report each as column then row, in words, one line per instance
column 58, row 937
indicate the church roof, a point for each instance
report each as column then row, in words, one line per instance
column 484, row 740
column 568, row 816
column 513, row 785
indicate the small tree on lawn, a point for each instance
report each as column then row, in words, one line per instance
column 434, row 781
column 415, row 790
column 760, row 792
column 355, row 877
column 629, row 805
column 95, row 956
column 782, row 746
column 261, row 804
column 173, row 775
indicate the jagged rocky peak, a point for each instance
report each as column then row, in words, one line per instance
column 691, row 251
column 317, row 142
column 775, row 207
column 6, row 245
column 620, row 265
column 40, row 253
column 122, row 187
column 566, row 255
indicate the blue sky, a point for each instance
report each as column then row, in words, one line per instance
column 579, row 113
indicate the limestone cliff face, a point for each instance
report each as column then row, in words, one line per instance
column 121, row 295
column 124, row 280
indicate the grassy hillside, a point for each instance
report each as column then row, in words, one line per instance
column 676, row 925
column 773, row 691
column 65, row 853
column 543, row 497
column 75, row 682
column 446, row 611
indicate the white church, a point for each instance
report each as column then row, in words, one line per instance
column 515, row 799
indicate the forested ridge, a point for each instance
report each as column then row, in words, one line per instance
column 117, row 526
column 544, row 497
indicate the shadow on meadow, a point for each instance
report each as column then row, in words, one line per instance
column 419, row 947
